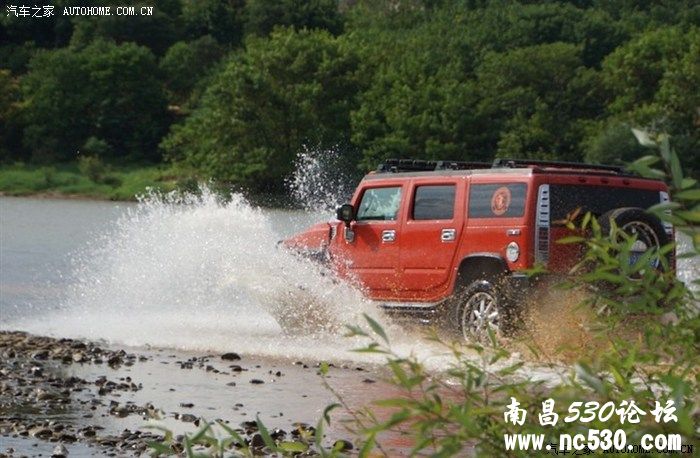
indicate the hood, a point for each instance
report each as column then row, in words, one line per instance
column 314, row 239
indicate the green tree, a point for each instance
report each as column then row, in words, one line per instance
column 9, row 116
column 107, row 91
column 654, row 80
column 156, row 31
column 223, row 20
column 261, row 16
column 185, row 63
column 293, row 89
column 533, row 99
column 612, row 143
column 419, row 99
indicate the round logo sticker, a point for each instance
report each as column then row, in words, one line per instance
column 500, row 201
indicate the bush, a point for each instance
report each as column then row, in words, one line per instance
column 92, row 167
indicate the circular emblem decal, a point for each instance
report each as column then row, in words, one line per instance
column 500, row 201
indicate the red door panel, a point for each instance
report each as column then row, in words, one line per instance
column 372, row 258
column 429, row 238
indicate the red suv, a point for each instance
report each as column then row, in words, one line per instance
column 452, row 240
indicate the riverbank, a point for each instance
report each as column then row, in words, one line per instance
column 83, row 398
column 67, row 181
column 97, row 182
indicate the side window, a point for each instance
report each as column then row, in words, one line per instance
column 381, row 204
column 505, row 200
column 434, row 202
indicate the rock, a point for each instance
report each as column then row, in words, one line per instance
column 257, row 441
column 187, row 405
column 256, row 381
column 65, row 437
column 36, row 371
column 40, row 354
column 59, row 451
column 278, row 434
column 79, row 357
column 230, row 356
column 188, row 418
column 368, row 380
column 40, row 432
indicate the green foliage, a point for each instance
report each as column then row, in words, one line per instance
column 290, row 90
column 215, row 440
column 262, row 16
column 92, row 167
column 418, row 102
column 612, row 144
column 156, row 31
column 427, row 79
column 185, row 63
column 654, row 79
column 123, row 183
column 9, row 115
column 534, row 97
column 105, row 91
column 223, row 20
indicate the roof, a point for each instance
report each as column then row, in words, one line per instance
column 418, row 168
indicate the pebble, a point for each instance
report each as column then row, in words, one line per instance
column 59, row 451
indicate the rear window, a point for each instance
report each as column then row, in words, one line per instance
column 505, row 200
column 598, row 200
column 434, row 202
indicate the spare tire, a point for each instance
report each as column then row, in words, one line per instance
column 646, row 227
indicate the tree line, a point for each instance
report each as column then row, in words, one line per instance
column 234, row 89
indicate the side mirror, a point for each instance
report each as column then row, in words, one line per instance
column 346, row 213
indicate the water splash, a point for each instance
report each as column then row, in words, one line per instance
column 322, row 180
column 196, row 273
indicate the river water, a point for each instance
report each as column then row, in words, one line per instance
column 175, row 281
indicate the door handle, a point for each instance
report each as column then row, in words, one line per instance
column 388, row 236
column 448, row 235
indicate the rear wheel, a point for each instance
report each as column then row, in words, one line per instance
column 647, row 228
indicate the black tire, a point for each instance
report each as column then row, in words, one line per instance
column 478, row 306
column 635, row 221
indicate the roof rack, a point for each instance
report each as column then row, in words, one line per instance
column 517, row 163
column 417, row 165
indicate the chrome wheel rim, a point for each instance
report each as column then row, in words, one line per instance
column 646, row 240
column 478, row 315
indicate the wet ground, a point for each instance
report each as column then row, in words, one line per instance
column 96, row 400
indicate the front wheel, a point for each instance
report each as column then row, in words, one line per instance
column 477, row 308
